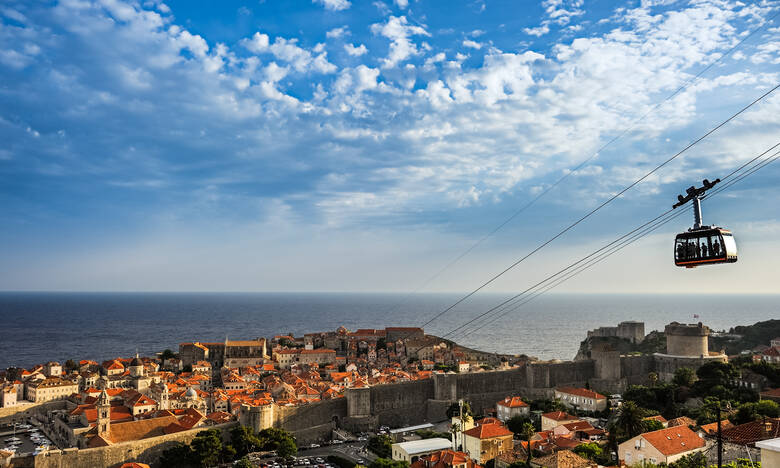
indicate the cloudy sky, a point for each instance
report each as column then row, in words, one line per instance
column 342, row 145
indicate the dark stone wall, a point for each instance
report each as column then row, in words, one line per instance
column 299, row 418
column 401, row 404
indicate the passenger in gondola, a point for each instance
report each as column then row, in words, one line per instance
column 692, row 250
column 715, row 248
column 681, row 251
column 703, row 250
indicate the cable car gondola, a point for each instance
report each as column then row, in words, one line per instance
column 702, row 245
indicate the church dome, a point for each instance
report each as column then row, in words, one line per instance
column 191, row 393
column 136, row 362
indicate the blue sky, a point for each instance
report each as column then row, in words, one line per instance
column 336, row 145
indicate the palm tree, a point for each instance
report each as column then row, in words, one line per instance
column 629, row 420
column 527, row 432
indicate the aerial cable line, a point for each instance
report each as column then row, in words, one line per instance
column 568, row 274
column 633, row 125
column 506, row 304
column 560, row 277
column 602, row 205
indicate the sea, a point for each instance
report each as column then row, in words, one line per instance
column 40, row 327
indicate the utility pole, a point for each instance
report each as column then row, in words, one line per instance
column 720, row 439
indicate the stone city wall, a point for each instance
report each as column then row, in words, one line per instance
column 18, row 412
column 145, row 451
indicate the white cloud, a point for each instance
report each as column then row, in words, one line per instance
column 472, row 44
column 336, row 33
column 288, row 50
column 355, row 51
column 399, row 31
column 402, row 3
column 538, row 31
column 335, row 5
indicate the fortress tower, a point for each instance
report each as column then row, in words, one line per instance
column 687, row 340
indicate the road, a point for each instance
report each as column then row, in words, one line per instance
column 353, row 451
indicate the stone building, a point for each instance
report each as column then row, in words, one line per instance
column 510, row 407
column 662, row 446
column 486, row 441
column 52, row 388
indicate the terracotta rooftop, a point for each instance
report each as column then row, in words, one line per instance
column 559, row 416
column 488, row 431
column 674, row 440
column 562, row 459
column 712, row 428
column 513, row 402
column 581, row 392
column 752, row 432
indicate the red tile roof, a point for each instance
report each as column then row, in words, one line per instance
column 674, row 440
column 559, row 416
column 712, row 428
column 488, row 431
column 581, row 392
column 513, row 402
column 752, row 432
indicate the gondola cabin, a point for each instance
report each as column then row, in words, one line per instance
column 704, row 246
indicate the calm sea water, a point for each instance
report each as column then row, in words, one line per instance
column 37, row 327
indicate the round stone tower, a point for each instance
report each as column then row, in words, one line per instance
column 687, row 340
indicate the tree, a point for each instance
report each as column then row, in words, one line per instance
column 651, row 425
column 388, row 463
column 244, row 440
column 381, row 343
column 381, row 445
column 207, row 448
column 693, row 460
column 70, row 365
column 683, row 377
column 756, row 410
column 629, row 420
column 653, row 378
column 516, row 423
column 591, row 451
column 178, row 456
column 244, row 463
column 454, row 410
column 527, row 432
column 279, row 440
column 167, row 354
column 715, row 379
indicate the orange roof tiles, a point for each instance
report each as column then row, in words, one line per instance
column 513, row 402
column 581, row 392
column 674, row 440
column 488, row 431
column 559, row 416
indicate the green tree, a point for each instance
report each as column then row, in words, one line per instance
column 526, row 433
column 756, row 410
column 629, row 420
column 651, row 425
column 381, row 343
column 244, row 463
column 178, row 456
column 388, row 463
column 516, row 423
column 381, row 445
column 715, row 379
column 167, row 354
column 683, row 377
column 454, row 410
column 279, row 440
column 207, row 448
column 244, row 440
column 592, row 451
column 70, row 365
column 693, row 460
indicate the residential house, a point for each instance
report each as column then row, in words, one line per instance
column 484, row 442
column 581, row 398
column 414, row 450
column 445, row 459
column 510, row 407
column 661, row 446
column 556, row 418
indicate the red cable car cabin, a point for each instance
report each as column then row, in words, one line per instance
column 704, row 246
